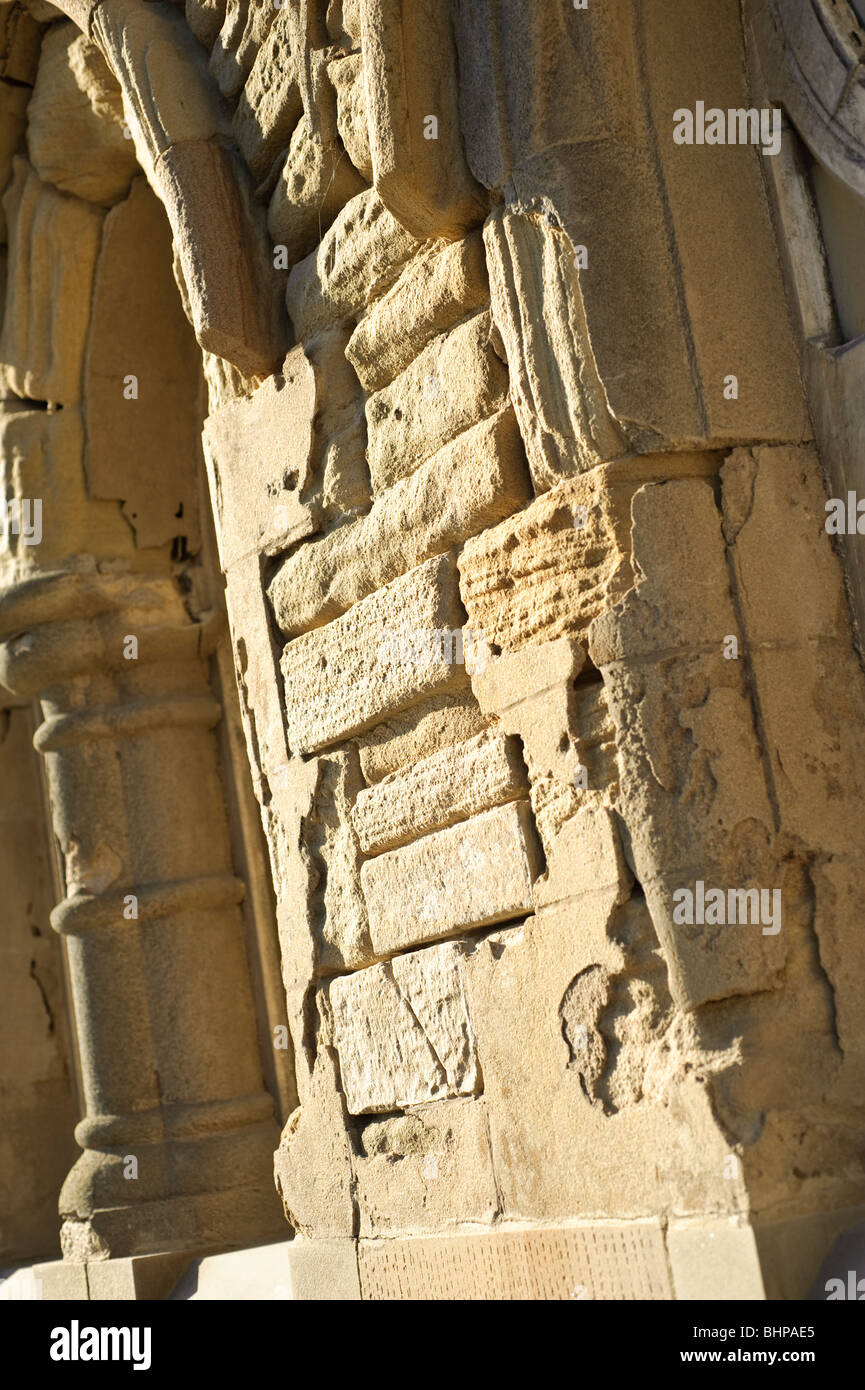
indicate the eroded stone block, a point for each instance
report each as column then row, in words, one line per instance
column 468, row 485
column 358, row 258
column 456, row 380
column 557, row 564
column 340, row 679
column 270, row 104
column 428, row 299
column 259, row 450
column 53, row 243
column 402, row 1031
column 409, row 62
column 346, row 74
column 470, row 875
column 442, row 1155
column 412, row 734
column 445, row 787
column 75, row 121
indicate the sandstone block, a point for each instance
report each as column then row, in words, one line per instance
column 409, row 63
column 442, row 1154
column 270, row 104
column 338, row 680
column 693, row 792
column 313, row 186
column 402, row 1031
column 553, row 567
column 343, row 23
column 537, row 306
column 447, row 499
column 53, row 242
column 605, row 1260
column 456, row 380
column 448, row 786
column 312, row 1165
column 470, row 875
column 169, row 96
column 20, row 38
column 330, row 838
column 205, row 18
column 258, row 450
column 737, row 312
column 428, row 299
column 75, row 121
column 232, row 289
column 811, row 691
column 43, row 457
column 412, row 734
column 346, row 74
column 13, row 120
column 243, row 31
column 141, row 451
column 358, row 258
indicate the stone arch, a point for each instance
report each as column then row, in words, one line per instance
column 180, row 124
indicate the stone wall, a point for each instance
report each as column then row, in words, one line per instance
column 536, row 622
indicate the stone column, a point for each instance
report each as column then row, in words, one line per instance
column 178, row 1129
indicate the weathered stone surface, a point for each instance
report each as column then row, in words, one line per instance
column 560, row 562
column 235, row 310
column 270, row 104
column 430, row 297
column 37, row 1111
column 445, row 787
column 693, row 790
column 43, row 457
column 314, row 185
column 607, row 1260
column 537, row 306
column 141, row 449
column 567, row 735
column 442, row 1155
column 738, row 317
column 346, row 74
column 409, row 64
column 343, row 22
column 205, row 18
column 53, row 240
column 811, row 693
column 20, row 37
column 13, row 119
column 470, row 875
column 243, row 31
column 169, row 95
column 75, row 121
column 331, row 839
column 313, row 1164
column 402, row 1031
column 416, row 733
column 456, row 379
column 266, row 439
column 336, row 682
column 812, row 699
column 358, row 258
column 444, row 501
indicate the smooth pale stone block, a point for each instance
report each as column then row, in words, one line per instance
column 470, row 875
